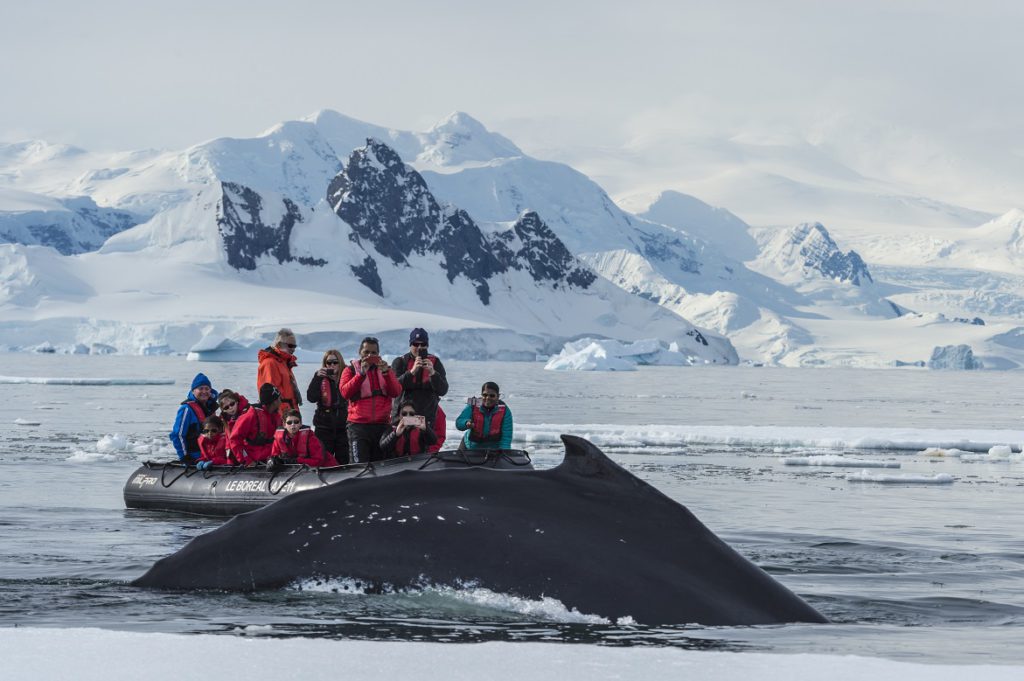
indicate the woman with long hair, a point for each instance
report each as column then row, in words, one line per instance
column 331, row 418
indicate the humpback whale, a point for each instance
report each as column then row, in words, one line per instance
column 586, row 532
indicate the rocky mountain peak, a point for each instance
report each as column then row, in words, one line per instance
column 814, row 246
column 391, row 211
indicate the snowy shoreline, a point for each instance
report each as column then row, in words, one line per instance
column 103, row 655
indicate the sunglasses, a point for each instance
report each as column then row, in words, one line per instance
column 331, row 361
column 419, row 345
column 290, row 346
column 293, row 423
column 408, row 413
column 488, row 394
column 229, row 405
column 211, row 432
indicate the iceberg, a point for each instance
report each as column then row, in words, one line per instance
column 953, row 357
column 593, row 354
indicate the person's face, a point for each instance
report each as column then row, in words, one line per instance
column 228, row 406
column 369, row 350
column 211, row 431
column 407, row 411
column 414, row 348
column 287, row 344
column 292, row 424
column 332, row 362
column 202, row 393
column 490, row 397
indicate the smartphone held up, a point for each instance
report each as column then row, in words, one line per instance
column 414, row 421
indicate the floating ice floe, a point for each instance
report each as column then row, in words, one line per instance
column 50, row 380
column 118, row 447
column 773, row 439
column 590, row 354
column 868, row 476
column 83, row 456
column 25, row 422
column 996, row 453
column 952, row 452
column 835, row 460
column 112, row 443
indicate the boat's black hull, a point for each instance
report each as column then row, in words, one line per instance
column 230, row 490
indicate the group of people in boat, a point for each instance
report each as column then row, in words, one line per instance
column 367, row 410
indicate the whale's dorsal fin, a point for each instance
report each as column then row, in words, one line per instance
column 583, row 458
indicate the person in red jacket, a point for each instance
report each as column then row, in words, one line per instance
column 369, row 385
column 275, row 367
column 232, row 406
column 297, row 443
column 252, row 436
column 409, row 433
column 440, row 430
column 213, row 445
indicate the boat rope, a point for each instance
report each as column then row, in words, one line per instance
column 270, row 483
column 163, row 474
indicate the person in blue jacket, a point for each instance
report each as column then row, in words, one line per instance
column 487, row 419
column 200, row 403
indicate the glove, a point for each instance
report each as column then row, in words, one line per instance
column 203, row 465
column 274, row 464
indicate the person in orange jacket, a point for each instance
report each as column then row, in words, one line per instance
column 276, row 364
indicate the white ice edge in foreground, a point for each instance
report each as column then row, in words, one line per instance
column 101, row 655
column 867, row 476
column 836, row 461
column 817, row 437
column 57, row 380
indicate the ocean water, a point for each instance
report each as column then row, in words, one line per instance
column 931, row 573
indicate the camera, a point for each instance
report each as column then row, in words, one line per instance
column 421, row 352
column 414, row 421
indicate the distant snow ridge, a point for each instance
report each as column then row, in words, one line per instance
column 68, row 225
column 954, row 357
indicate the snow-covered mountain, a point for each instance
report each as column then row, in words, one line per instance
column 334, row 225
column 285, row 218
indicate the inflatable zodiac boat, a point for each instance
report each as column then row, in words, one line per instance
column 230, row 490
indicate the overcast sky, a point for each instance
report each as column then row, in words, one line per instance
column 551, row 75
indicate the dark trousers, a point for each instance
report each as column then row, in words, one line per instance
column 364, row 441
column 335, row 441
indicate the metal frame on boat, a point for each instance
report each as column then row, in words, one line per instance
column 230, row 490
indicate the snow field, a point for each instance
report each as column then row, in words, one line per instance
column 100, row 655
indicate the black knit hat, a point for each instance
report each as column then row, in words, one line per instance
column 269, row 394
column 418, row 335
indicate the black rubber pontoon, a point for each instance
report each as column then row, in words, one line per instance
column 230, row 490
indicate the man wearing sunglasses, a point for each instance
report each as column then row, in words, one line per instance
column 424, row 382
column 487, row 420
column 276, row 364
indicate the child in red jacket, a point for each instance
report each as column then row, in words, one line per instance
column 213, row 444
column 297, row 443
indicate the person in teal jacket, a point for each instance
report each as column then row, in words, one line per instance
column 487, row 420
